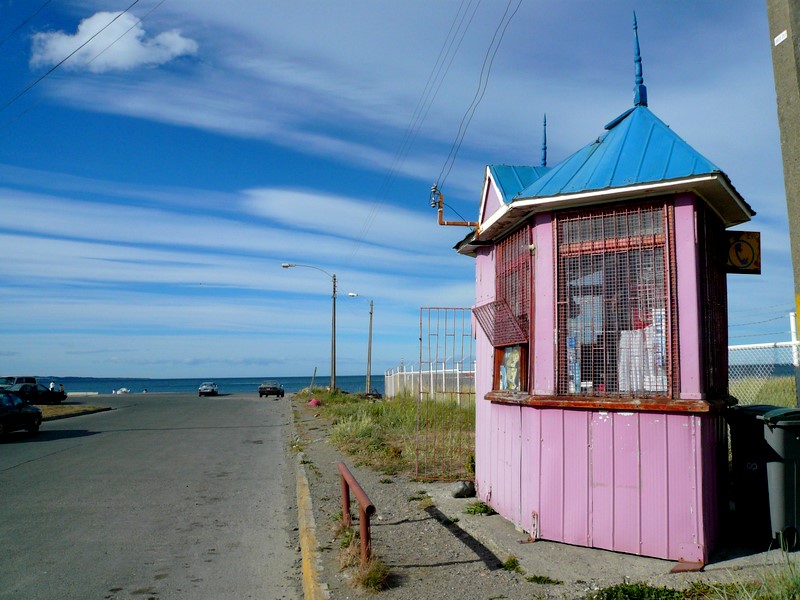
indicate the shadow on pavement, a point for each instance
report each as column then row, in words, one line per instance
column 488, row 557
column 19, row 437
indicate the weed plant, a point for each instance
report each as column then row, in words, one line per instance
column 479, row 508
column 636, row 591
column 512, row 564
column 543, row 580
column 374, row 576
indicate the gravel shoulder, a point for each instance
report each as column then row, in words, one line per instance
column 435, row 550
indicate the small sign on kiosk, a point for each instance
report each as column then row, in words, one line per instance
column 744, row 252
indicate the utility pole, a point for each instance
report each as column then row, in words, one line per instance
column 784, row 31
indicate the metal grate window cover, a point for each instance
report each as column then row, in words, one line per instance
column 499, row 324
column 615, row 303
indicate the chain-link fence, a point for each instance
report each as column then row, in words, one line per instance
column 764, row 373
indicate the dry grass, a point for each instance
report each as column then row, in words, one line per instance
column 61, row 411
column 392, row 438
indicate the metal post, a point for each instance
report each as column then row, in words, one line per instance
column 369, row 350
column 333, row 316
column 795, row 356
column 369, row 345
column 333, row 335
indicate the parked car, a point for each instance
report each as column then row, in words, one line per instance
column 16, row 414
column 270, row 388
column 9, row 381
column 208, row 388
column 36, row 393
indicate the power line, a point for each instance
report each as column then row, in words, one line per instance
column 758, row 322
column 479, row 93
column 21, row 114
column 126, row 32
column 429, row 93
column 25, row 22
column 739, row 337
column 65, row 59
column 783, row 307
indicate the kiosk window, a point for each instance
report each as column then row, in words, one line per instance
column 613, row 309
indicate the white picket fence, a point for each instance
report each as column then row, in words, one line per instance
column 431, row 379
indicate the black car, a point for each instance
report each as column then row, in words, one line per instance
column 16, row 414
column 270, row 388
column 8, row 381
column 36, row 393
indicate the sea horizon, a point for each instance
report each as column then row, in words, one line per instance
column 227, row 385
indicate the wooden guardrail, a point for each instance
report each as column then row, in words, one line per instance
column 365, row 509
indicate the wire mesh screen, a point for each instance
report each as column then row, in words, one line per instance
column 614, row 307
column 499, row 323
column 513, row 287
column 445, row 435
column 764, row 373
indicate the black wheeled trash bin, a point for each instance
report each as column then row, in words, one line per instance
column 749, row 456
column 782, row 435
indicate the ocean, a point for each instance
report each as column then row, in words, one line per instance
column 229, row 385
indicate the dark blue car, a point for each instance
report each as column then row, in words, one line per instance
column 16, row 414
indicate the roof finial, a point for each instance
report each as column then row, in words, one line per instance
column 639, row 90
column 544, row 141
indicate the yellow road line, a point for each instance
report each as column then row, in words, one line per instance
column 312, row 590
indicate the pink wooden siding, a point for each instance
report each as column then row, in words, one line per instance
column 640, row 483
column 689, row 324
column 544, row 301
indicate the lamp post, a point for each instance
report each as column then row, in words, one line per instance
column 333, row 317
column 369, row 344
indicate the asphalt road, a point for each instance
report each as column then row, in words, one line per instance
column 169, row 496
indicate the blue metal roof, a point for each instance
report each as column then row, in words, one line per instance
column 511, row 180
column 637, row 148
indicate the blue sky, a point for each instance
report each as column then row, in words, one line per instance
column 152, row 185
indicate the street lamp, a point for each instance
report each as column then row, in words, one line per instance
column 369, row 344
column 333, row 317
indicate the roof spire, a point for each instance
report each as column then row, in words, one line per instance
column 639, row 90
column 544, row 141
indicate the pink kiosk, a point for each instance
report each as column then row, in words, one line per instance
column 601, row 316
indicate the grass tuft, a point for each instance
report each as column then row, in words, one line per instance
column 636, row 591
column 512, row 564
column 543, row 580
column 374, row 576
column 479, row 508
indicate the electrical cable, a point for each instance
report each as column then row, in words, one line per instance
column 783, row 307
column 479, row 94
column 126, row 32
column 458, row 31
column 739, row 337
column 10, row 122
column 30, row 86
column 25, row 22
column 758, row 322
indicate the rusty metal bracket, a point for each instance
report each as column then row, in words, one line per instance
column 365, row 509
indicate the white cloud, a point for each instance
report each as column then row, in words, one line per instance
column 123, row 45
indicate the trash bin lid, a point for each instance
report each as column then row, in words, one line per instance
column 749, row 411
column 782, row 416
